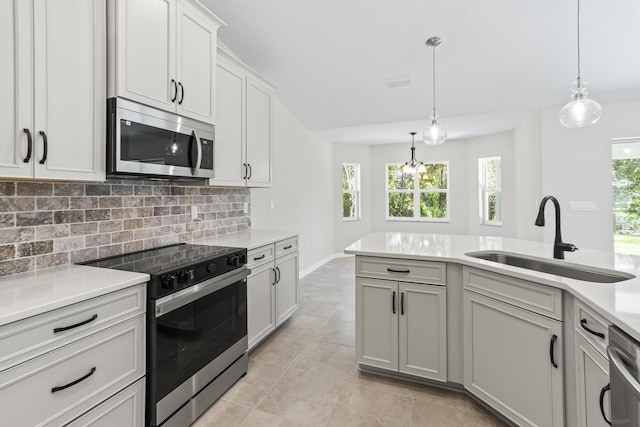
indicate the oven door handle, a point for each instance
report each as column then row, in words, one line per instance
column 181, row 298
column 617, row 364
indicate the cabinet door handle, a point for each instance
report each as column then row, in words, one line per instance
column 279, row 274
column 391, row 270
column 66, row 328
column 393, row 303
column 583, row 324
column 602, row 392
column 29, row 145
column 181, row 93
column 554, row 338
column 45, row 147
column 72, row 383
column 175, row 90
column 275, row 276
column 402, row 303
column 259, row 257
column 246, row 171
column 250, row 169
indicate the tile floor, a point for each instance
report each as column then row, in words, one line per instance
column 305, row 374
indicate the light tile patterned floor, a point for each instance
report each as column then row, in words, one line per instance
column 306, row 374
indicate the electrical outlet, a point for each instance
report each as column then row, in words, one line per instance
column 194, row 212
column 245, row 207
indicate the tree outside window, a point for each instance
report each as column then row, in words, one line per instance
column 418, row 196
column 490, row 186
column 350, row 191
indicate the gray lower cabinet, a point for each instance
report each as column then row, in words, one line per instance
column 272, row 287
column 513, row 358
column 73, row 363
column 592, row 381
column 401, row 327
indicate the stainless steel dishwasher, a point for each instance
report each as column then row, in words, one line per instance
column 624, row 360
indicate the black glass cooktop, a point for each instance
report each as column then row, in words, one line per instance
column 167, row 258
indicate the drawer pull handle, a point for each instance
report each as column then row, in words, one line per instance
column 62, row 387
column 66, row 328
column 259, row 257
column 551, row 347
column 287, row 247
column 583, row 323
column 602, row 392
column 391, row 270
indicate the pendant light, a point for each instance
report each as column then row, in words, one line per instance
column 580, row 111
column 435, row 134
column 413, row 165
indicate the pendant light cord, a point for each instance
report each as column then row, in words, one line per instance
column 434, row 81
column 578, row 26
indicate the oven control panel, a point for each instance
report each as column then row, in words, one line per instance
column 172, row 281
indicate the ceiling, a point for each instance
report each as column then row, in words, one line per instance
column 499, row 60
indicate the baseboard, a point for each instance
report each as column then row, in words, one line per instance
column 322, row 262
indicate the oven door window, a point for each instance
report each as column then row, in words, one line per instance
column 191, row 336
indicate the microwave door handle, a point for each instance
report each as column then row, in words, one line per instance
column 617, row 365
column 196, row 168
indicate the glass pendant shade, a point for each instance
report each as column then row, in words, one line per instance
column 580, row 111
column 435, row 134
column 408, row 169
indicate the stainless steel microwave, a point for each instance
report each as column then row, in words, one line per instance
column 147, row 142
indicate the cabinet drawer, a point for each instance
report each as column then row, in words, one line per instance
column 260, row 255
column 433, row 273
column 531, row 296
column 593, row 327
column 285, row 246
column 125, row 409
column 92, row 369
column 23, row 340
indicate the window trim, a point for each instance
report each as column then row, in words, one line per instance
column 483, row 192
column 416, row 195
column 356, row 192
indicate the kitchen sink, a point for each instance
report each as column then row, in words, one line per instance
column 571, row 271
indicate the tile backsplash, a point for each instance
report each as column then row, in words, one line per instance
column 44, row 224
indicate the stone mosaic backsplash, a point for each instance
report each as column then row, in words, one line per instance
column 45, row 224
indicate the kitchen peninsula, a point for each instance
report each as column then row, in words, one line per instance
column 427, row 311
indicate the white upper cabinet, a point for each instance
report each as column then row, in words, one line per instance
column 56, row 81
column 163, row 54
column 243, row 128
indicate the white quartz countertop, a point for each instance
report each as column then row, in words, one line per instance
column 249, row 239
column 618, row 302
column 29, row 294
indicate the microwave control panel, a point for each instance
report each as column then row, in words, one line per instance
column 207, row 154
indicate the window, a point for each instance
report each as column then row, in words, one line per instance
column 426, row 201
column 350, row 191
column 625, row 155
column 490, row 179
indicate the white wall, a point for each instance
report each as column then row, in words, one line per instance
column 502, row 145
column 347, row 232
column 455, row 152
column 302, row 188
column 576, row 166
column 528, row 177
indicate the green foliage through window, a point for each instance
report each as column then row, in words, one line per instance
column 351, row 191
column 428, row 200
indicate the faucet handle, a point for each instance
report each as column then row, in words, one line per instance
column 568, row 247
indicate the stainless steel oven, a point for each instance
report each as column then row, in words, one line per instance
column 196, row 326
column 198, row 335
column 624, row 374
column 147, row 142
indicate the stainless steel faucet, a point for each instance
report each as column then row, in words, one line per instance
column 559, row 247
